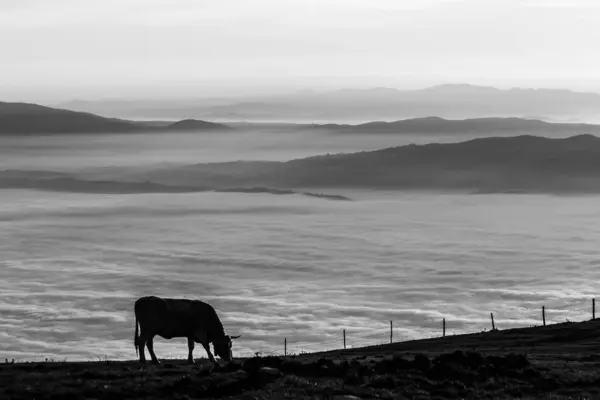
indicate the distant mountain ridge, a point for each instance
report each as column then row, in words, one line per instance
column 474, row 125
column 380, row 103
column 27, row 118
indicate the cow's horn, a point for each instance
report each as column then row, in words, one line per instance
column 235, row 337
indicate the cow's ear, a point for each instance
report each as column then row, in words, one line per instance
column 235, row 337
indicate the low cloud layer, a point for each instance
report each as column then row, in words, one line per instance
column 69, row 283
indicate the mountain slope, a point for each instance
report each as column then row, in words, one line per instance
column 523, row 163
column 26, row 118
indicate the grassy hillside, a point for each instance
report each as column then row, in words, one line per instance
column 556, row 361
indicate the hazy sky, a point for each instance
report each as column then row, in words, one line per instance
column 89, row 48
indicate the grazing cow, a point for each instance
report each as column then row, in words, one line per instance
column 169, row 318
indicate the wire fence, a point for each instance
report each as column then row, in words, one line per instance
column 525, row 315
column 542, row 316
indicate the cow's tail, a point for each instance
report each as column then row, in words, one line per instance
column 136, row 336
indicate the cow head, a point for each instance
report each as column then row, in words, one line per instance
column 223, row 347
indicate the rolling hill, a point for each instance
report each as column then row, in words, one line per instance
column 28, row 119
column 498, row 164
column 483, row 126
column 192, row 125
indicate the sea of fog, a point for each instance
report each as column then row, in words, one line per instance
column 275, row 267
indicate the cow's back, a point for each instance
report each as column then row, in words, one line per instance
column 149, row 305
column 171, row 317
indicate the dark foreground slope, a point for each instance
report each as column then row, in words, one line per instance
column 558, row 362
column 30, row 119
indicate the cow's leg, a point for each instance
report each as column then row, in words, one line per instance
column 207, row 348
column 190, row 350
column 201, row 337
column 150, row 344
column 143, row 338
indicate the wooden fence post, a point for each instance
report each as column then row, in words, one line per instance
column 391, row 332
column 344, row 339
column 544, row 315
column 493, row 325
column 444, row 327
column 285, row 346
column 593, row 308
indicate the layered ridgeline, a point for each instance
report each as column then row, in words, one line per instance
column 499, row 164
column 480, row 126
column 25, row 118
column 380, row 103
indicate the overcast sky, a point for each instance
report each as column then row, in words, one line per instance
column 112, row 48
